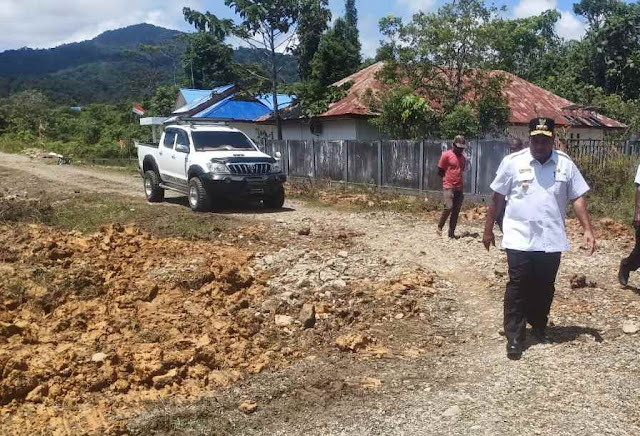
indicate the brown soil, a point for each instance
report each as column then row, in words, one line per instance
column 94, row 326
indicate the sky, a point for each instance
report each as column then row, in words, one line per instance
column 49, row 23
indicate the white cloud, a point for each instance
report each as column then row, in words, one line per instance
column 568, row 27
column 418, row 5
column 527, row 8
column 48, row 23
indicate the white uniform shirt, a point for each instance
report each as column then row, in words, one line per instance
column 638, row 176
column 538, row 194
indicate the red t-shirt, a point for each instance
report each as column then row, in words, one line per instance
column 453, row 166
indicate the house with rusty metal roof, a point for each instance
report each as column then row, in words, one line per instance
column 349, row 118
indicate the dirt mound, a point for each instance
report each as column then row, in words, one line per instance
column 118, row 317
column 92, row 327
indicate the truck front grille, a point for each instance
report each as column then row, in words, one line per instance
column 249, row 168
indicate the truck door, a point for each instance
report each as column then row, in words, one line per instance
column 179, row 158
column 165, row 151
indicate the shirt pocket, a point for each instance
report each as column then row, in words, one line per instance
column 524, row 180
column 560, row 185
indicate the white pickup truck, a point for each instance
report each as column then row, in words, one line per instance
column 210, row 163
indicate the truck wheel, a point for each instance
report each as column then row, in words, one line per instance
column 198, row 198
column 276, row 200
column 152, row 189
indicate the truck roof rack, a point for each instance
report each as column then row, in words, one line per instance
column 195, row 121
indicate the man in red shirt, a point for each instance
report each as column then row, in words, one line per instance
column 451, row 168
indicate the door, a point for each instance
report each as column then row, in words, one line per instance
column 165, row 153
column 178, row 163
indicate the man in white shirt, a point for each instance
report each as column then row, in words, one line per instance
column 538, row 181
column 632, row 263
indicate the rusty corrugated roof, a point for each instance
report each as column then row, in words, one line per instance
column 526, row 101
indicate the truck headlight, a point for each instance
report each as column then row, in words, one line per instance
column 276, row 167
column 217, row 168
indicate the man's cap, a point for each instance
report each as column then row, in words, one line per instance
column 542, row 126
column 460, row 142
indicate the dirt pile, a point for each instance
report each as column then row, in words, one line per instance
column 119, row 317
column 93, row 326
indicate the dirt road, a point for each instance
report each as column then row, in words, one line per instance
column 586, row 382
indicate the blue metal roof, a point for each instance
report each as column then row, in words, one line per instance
column 238, row 109
column 191, row 95
column 284, row 100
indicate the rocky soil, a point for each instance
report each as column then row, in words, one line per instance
column 318, row 320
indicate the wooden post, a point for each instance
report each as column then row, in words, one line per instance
column 379, row 163
column 421, row 172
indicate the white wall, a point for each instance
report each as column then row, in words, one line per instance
column 331, row 129
column 365, row 131
column 255, row 131
column 522, row 132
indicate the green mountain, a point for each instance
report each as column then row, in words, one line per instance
column 113, row 67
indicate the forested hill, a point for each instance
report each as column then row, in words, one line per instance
column 108, row 46
column 109, row 68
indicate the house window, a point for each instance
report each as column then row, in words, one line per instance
column 572, row 136
column 578, row 136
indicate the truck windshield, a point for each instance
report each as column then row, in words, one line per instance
column 207, row 141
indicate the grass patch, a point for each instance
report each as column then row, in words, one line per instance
column 360, row 198
column 85, row 213
column 612, row 192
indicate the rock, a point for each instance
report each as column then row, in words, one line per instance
column 579, row 281
column 8, row 329
column 399, row 315
column 352, row 342
column 343, row 254
column 308, row 316
column 163, row 380
column 38, row 394
column 121, row 386
column 305, row 231
column 452, row 411
column 248, row 407
column 339, row 284
column 303, row 283
column 271, row 305
column 631, row 327
column 283, row 320
column 268, row 260
column 99, row 357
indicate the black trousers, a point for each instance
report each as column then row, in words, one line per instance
column 452, row 205
column 633, row 261
column 529, row 294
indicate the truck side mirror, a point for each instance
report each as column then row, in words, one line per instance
column 278, row 155
column 182, row 148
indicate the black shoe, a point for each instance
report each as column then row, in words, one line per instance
column 623, row 274
column 540, row 334
column 514, row 349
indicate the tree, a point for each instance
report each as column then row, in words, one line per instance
column 338, row 54
column 404, row 114
column 25, row 113
column 162, row 104
column 460, row 120
column 266, row 25
column 523, row 46
column 207, row 61
column 596, row 11
column 440, row 53
column 351, row 17
column 442, row 57
column 314, row 16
